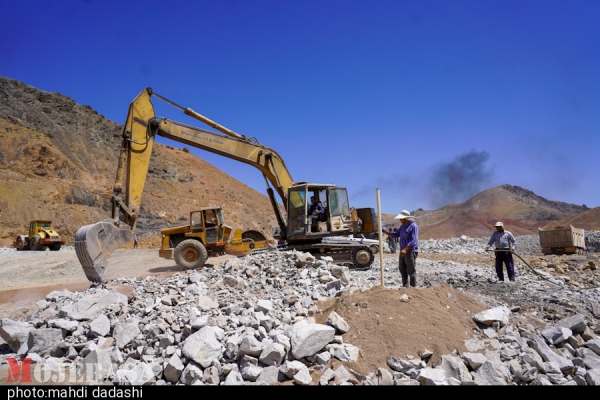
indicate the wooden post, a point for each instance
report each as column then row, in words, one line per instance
column 380, row 229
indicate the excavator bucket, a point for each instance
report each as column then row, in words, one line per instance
column 96, row 242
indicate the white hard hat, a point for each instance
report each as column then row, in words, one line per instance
column 404, row 214
column 499, row 224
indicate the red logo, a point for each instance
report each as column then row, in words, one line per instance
column 19, row 371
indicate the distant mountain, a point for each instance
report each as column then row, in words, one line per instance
column 588, row 220
column 521, row 210
column 58, row 161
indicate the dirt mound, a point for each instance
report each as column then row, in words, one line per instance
column 437, row 319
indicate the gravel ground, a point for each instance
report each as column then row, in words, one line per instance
column 249, row 320
column 25, row 269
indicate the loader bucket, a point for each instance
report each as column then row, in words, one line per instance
column 95, row 243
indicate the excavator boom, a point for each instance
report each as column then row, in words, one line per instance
column 94, row 243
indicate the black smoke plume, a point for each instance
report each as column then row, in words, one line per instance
column 460, row 179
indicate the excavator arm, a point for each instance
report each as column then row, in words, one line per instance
column 95, row 243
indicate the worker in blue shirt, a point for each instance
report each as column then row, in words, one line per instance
column 504, row 243
column 408, row 235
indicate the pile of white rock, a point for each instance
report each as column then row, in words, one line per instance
column 592, row 241
column 252, row 322
column 247, row 323
column 565, row 353
column 525, row 245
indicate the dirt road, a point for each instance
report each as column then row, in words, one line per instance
column 28, row 276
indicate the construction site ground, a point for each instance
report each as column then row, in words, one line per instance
column 454, row 284
column 28, row 276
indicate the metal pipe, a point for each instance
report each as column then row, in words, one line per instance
column 196, row 115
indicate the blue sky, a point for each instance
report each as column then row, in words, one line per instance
column 389, row 91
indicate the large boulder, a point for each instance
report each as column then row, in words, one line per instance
column 212, row 376
column 344, row 352
column 336, row 320
column 548, row 354
column 100, row 326
column 454, row 367
column 488, row 374
column 590, row 359
column 296, row 371
column 474, row 360
column 342, row 273
column 204, row 346
column 383, row 376
column 44, row 341
column 576, row 323
column 98, row 363
column 266, row 306
column 403, row 365
column 249, row 368
column 593, row 345
column 249, row 345
column 308, row 338
column 268, row 376
column 65, row 324
column 488, row 317
column 432, row 377
column 272, row 354
column 135, row 372
column 556, row 334
column 592, row 377
column 173, row 369
column 191, row 374
column 205, row 303
column 126, row 331
column 92, row 305
column 15, row 334
column 234, row 378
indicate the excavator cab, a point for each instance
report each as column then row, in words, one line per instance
column 316, row 211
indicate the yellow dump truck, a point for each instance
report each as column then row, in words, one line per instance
column 207, row 235
column 41, row 236
column 562, row 240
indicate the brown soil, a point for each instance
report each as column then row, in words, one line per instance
column 438, row 319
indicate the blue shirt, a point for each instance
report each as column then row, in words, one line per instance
column 409, row 235
column 502, row 240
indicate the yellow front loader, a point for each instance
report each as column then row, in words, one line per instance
column 205, row 236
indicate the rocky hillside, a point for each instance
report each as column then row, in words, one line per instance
column 588, row 220
column 520, row 209
column 58, row 161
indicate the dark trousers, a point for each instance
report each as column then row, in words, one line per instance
column 407, row 264
column 505, row 257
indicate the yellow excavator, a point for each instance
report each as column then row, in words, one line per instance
column 318, row 217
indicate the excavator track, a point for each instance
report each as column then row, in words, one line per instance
column 95, row 243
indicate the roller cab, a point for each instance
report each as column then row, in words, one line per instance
column 205, row 236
